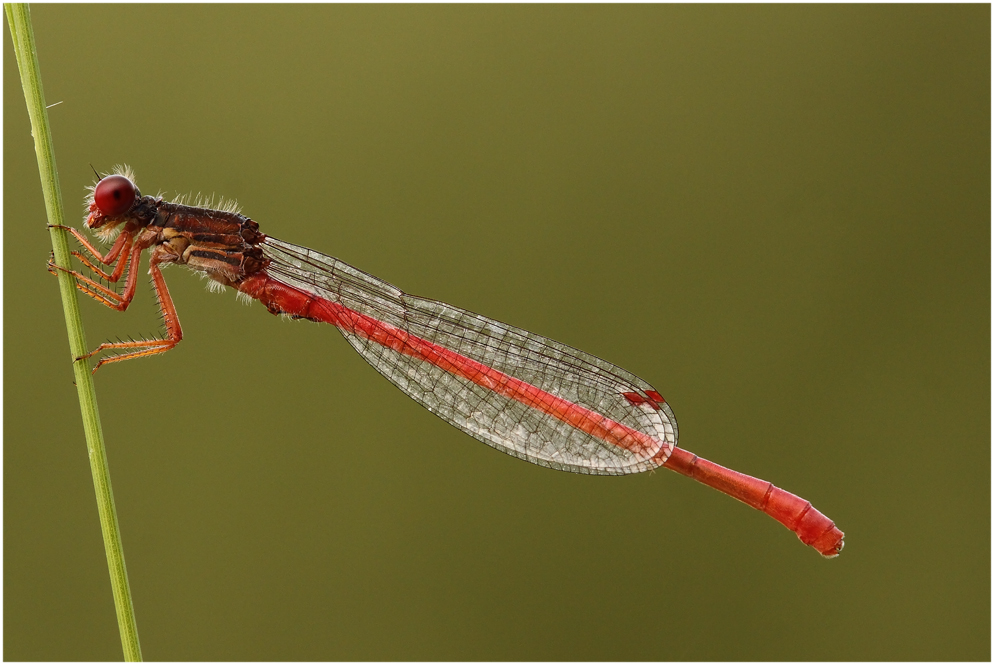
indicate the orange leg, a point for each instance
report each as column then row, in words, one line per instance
column 100, row 292
column 120, row 250
column 122, row 240
column 128, row 258
column 148, row 347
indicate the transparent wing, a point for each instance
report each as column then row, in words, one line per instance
column 510, row 424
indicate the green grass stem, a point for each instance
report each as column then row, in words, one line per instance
column 19, row 21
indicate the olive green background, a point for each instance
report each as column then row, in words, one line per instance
column 779, row 216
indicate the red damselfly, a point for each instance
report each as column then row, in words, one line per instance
column 523, row 394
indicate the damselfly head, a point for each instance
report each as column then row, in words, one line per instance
column 112, row 197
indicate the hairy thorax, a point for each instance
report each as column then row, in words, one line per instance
column 225, row 245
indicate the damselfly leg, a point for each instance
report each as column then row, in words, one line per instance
column 128, row 258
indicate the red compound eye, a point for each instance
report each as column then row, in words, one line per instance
column 114, row 195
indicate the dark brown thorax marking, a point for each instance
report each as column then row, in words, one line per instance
column 225, row 245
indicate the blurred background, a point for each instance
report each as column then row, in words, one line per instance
column 777, row 215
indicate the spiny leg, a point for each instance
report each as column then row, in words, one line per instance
column 122, row 259
column 112, row 253
column 119, row 251
column 101, row 293
column 149, row 347
column 128, row 257
column 97, row 291
column 100, row 298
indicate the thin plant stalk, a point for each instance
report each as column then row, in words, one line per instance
column 19, row 21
